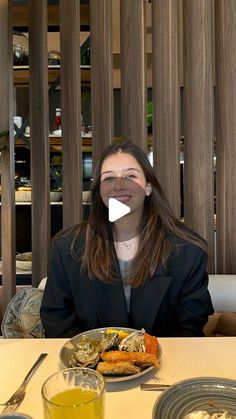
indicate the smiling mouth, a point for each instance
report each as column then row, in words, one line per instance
column 123, row 198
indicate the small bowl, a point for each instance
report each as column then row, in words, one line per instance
column 86, row 196
column 24, row 261
column 55, row 196
column 23, row 196
column 57, row 133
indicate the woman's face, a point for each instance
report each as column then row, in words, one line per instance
column 122, row 178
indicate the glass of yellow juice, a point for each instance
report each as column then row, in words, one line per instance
column 74, row 393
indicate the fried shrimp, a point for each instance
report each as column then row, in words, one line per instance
column 142, row 359
column 117, row 368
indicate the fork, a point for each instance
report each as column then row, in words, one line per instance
column 16, row 399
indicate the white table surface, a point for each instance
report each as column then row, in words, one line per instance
column 181, row 358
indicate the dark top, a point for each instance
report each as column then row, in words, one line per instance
column 174, row 302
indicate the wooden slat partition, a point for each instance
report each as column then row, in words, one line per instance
column 101, row 75
column 39, row 139
column 71, row 111
column 7, row 155
column 195, row 61
column 166, row 98
column 198, row 119
column 225, row 33
column 133, row 72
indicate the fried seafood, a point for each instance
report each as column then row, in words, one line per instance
column 117, row 368
column 151, row 344
column 142, row 359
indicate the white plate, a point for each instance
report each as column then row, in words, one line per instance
column 70, row 346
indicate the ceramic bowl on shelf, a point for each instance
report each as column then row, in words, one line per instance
column 56, row 133
column 20, row 48
column 54, row 57
column 24, row 261
column 55, row 196
column 23, row 196
column 87, row 196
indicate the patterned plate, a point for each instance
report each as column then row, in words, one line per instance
column 211, row 394
column 70, row 346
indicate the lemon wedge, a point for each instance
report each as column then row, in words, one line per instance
column 121, row 333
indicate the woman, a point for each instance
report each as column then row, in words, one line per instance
column 144, row 270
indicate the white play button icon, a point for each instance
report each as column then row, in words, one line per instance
column 117, row 209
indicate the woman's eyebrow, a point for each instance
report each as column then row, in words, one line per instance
column 133, row 168
column 108, row 171
column 124, row 170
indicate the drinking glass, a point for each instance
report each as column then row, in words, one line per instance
column 74, row 393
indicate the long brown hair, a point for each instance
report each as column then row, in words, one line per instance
column 159, row 224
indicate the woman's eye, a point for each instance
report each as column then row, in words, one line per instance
column 108, row 179
column 130, row 177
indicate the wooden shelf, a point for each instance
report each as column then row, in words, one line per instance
column 21, row 75
column 21, row 15
column 55, row 143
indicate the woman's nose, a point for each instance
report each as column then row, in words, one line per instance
column 119, row 183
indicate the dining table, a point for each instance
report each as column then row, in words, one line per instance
column 181, row 358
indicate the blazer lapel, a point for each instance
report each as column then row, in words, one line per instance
column 146, row 301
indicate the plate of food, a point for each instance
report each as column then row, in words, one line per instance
column 198, row 398
column 120, row 354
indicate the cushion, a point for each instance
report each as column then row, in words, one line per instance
column 21, row 318
column 209, row 328
column 226, row 324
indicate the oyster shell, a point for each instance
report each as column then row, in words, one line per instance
column 133, row 342
column 86, row 354
column 109, row 342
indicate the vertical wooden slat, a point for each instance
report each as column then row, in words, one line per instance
column 225, row 33
column 198, row 119
column 38, row 91
column 166, row 98
column 101, row 74
column 133, row 72
column 180, row 41
column 71, row 111
column 7, row 155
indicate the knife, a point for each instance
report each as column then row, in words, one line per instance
column 154, row 386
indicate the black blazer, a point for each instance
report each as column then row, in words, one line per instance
column 174, row 302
